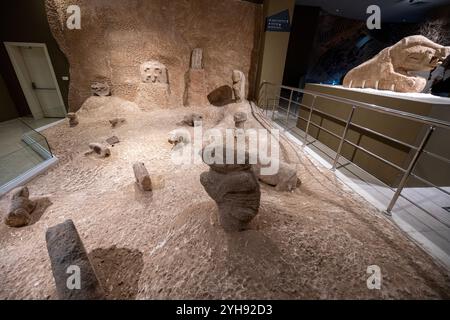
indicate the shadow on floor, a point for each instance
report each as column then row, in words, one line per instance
column 41, row 205
column 118, row 270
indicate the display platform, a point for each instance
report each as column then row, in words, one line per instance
column 405, row 130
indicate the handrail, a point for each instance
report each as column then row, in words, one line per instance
column 407, row 172
column 374, row 107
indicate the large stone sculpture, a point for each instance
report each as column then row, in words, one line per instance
column 19, row 213
column 235, row 189
column 154, row 90
column 392, row 68
column 69, row 259
column 196, row 92
column 238, row 85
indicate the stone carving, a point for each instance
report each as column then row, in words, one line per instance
column 153, row 72
column 19, row 213
column 284, row 180
column 238, row 85
column 235, row 189
column 154, row 89
column 221, row 96
column 239, row 119
column 66, row 250
column 178, row 136
column 196, row 92
column 99, row 149
column 113, row 140
column 73, row 119
column 142, row 177
column 116, row 122
column 100, row 89
column 392, row 68
column 191, row 118
column 197, row 59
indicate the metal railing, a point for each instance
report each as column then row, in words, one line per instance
column 273, row 103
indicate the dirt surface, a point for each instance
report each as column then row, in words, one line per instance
column 315, row 242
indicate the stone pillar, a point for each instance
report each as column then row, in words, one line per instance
column 197, row 59
column 238, row 85
column 154, row 89
column 69, row 259
column 196, row 91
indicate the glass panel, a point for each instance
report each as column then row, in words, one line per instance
column 21, row 149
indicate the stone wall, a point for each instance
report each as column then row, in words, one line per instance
column 116, row 36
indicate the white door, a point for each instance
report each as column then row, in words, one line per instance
column 42, row 81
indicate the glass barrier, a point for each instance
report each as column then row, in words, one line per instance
column 21, row 149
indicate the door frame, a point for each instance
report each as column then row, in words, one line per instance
column 30, row 96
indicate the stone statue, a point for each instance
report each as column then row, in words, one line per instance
column 99, row 149
column 73, row 119
column 284, row 180
column 196, row 88
column 19, row 213
column 392, row 68
column 153, row 72
column 238, row 85
column 178, row 136
column 197, row 59
column 100, row 89
column 154, row 89
column 235, row 189
column 66, row 249
column 191, row 118
column 239, row 119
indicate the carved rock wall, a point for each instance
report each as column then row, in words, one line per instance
column 117, row 36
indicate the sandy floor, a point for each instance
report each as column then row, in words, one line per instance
column 316, row 242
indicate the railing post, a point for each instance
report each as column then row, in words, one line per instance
column 344, row 134
column 410, row 169
column 309, row 120
column 266, row 106
column 289, row 107
column 273, row 110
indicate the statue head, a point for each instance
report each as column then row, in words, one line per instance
column 417, row 53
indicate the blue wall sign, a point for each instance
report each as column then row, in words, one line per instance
column 279, row 22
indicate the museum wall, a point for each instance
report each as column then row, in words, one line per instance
column 26, row 21
column 117, row 36
column 274, row 45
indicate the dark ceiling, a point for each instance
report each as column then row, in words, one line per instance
column 391, row 10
